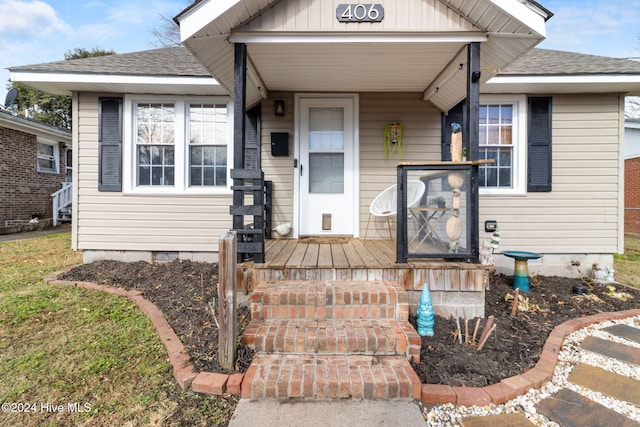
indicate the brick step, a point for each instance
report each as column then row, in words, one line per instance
column 353, row 299
column 334, row 377
column 369, row 336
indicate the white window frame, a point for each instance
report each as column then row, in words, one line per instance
column 181, row 153
column 56, row 156
column 519, row 133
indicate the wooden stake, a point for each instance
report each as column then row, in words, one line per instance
column 459, row 330
column 484, row 339
column 486, row 329
column 466, row 331
column 514, row 305
column 475, row 330
column 202, row 285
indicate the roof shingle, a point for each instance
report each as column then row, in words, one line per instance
column 168, row 61
column 556, row 62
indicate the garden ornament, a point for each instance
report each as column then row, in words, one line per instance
column 425, row 313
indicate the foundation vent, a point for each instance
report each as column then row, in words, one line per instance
column 164, row 256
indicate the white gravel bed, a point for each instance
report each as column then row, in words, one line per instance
column 449, row 415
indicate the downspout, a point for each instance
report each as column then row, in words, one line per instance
column 471, row 135
column 75, row 170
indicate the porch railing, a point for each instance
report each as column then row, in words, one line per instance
column 444, row 222
column 62, row 200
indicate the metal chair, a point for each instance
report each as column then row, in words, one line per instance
column 385, row 204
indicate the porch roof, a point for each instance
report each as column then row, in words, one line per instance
column 316, row 53
column 174, row 70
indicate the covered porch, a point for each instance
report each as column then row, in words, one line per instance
column 263, row 52
column 353, row 259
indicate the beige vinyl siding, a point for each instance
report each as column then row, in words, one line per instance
column 422, row 133
column 115, row 221
column 581, row 214
column 421, row 122
column 279, row 170
column 316, row 15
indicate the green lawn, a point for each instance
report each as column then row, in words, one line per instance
column 71, row 356
column 627, row 265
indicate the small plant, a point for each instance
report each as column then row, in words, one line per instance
column 439, row 202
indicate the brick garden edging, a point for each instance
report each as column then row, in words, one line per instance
column 432, row 394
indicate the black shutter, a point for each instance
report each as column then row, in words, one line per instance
column 110, row 144
column 539, row 145
column 455, row 115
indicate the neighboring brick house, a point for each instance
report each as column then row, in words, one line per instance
column 632, row 176
column 33, row 165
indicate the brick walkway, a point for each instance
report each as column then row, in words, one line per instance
column 336, row 339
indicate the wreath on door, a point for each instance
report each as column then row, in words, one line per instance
column 393, row 139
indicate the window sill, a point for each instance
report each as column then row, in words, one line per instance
column 152, row 192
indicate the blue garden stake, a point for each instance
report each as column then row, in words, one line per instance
column 425, row 313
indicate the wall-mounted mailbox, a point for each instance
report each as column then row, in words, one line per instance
column 279, row 144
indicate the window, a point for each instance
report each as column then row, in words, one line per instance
column 48, row 157
column 207, row 145
column 502, row 139
column 177, row 145
column 155, row 144
column 69, row 165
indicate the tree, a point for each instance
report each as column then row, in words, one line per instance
column 167, row 33
column 54, row 110
column 79, row 53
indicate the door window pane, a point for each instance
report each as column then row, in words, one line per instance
column 326, row 174
column 326, row 129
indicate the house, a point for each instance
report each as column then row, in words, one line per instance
column 631, row 173
column 174, row 145
column 35, row 163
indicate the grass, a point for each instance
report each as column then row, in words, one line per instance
column 80, row 357
column 627, row 265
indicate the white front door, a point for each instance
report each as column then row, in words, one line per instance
column 327, row 169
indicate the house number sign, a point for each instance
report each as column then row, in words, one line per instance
column 360, row 12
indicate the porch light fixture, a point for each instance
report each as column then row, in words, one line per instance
column 278, row 107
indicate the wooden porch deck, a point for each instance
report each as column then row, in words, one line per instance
column 356, row 259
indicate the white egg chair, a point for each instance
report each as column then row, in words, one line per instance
column 385, row 204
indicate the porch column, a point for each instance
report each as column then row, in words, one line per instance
column 472, row 142
column 239, row 103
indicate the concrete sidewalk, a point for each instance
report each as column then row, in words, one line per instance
column 326, row 413
column 33, row 234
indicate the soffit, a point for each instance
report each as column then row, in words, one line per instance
column 283, row 55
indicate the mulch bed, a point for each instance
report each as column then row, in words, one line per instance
column 182, row 290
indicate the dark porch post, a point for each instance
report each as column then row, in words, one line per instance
column 472, row 130
column 239, row 103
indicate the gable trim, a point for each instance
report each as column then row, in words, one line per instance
column 198, row 16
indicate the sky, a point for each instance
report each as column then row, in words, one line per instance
column 38, row 31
